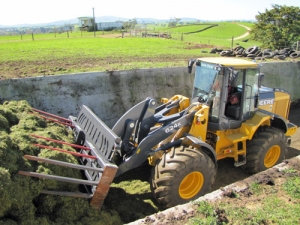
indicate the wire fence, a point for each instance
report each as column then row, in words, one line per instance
column 58, row 35
column 122, row 33
column 142, row 33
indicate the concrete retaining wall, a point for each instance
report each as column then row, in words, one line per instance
column 110, row 94
column 283, row 74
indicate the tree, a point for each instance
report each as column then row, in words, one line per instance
column 277, row 28
column 130, row 24
column 173, row 22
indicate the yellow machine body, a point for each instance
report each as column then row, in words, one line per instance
column 231, row 143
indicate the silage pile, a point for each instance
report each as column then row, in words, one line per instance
column 20, row 198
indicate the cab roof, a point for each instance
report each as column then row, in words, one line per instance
column 230, row 62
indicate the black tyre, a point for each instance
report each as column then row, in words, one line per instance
column 295, row 55
column 251, row 56
column 214, row 50
column 268, row 55
column 258, row 53
column 251, row 50
column 226, row 53
column 182, row 175
column 240, row 51
column 267, row 148
column 281, row 57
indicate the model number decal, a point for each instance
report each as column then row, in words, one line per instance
column 266, row 102
column 172, row 127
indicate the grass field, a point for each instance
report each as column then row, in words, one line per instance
column 48, row 54
column 221, row 30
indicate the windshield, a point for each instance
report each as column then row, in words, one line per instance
column 205, row 80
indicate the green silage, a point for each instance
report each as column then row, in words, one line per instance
column 21, row 201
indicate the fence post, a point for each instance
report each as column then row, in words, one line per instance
column 32, row 36
column 181, row 36
column 68, row 33
column 232, row 42
column 21, row 37
column 298, row 46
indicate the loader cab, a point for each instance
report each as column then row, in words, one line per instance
column 229, row 87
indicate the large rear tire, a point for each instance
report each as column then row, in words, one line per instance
column 267, row 148
column 182, row 175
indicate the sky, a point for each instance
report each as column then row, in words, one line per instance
column 13, row 12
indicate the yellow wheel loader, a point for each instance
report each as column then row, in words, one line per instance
column 230, row 115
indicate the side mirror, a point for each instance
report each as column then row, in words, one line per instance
column 261, row 77
column 190, row 65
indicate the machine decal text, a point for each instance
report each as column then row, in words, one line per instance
column 172, row 127
column 266, row 102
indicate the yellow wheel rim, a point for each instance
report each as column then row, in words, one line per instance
column 191, row 185
column 272, row 156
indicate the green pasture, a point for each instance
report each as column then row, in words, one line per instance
column 80, row 44
column 189, row 28
column 220, row 35
column 71, row 52
column 224, row 31
column 62, row 48
column 45, row 49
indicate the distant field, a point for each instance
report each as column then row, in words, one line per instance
column 189, row 28
column 219, row 35
column 81, row 52
column 223, row 30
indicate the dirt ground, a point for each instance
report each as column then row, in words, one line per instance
column 227, row 175
column 23, row 69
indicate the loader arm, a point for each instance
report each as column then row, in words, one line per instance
column 171, row 124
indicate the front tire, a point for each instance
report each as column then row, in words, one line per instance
column 182, row 175
column 266, row 149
